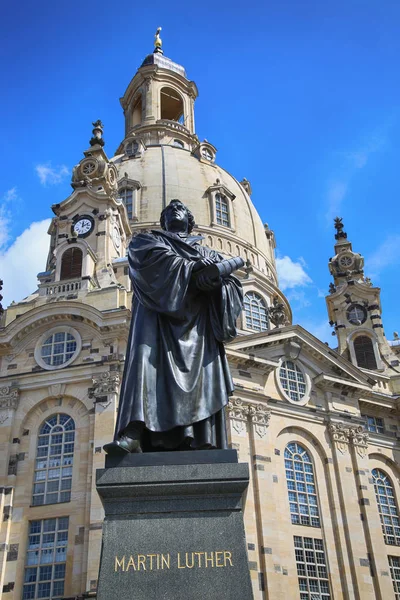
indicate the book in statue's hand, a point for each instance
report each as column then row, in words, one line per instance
column 222, row 269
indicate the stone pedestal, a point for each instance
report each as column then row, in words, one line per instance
column 173, row 527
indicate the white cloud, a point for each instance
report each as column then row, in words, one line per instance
column 291, row 274
column 20, row 263
column 354, row 161
column 8, row 198
column 387, row 254
column 10, row 195
column 321, row 329
column 337, row 191
column 298, row 299
column 376, row 142
column 49, row 175
column 4, row 222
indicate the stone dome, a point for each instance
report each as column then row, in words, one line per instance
column 161, row 158
column 162, row 173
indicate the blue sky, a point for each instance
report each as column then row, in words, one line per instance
column 300, row 97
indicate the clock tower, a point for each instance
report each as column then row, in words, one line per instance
column 90, row 229
column 354, row 309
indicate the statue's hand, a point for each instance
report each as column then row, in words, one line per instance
column 205, row 283
column 204, row 262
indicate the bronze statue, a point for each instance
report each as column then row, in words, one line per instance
column 339, row 225
column 176, row 380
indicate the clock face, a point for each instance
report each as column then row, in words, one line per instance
column 116, row 236
column 83, row 226
column 357, row 314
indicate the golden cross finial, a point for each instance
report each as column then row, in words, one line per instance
column 158, row 41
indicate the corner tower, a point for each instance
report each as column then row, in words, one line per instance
column 354, row 309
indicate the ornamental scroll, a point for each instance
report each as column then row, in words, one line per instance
column 240, row 412
column 104, row 384
column 359, row 436
column 342, row 435
column 260, row 417
column 9, row 397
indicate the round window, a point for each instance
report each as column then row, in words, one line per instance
column 292, row 380
column 57, row 348
column 89, row 167
column 357, row 314
column 111, row 176
column 345, row 261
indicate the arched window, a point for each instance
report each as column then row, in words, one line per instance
column 256, row 312
column 364, row 351
column 171, row 105
column 71, row 263
column 137, row 112
column 126, row 195
column 387, row 507
column 302, row 492
column 221, row 210
column 54, row 460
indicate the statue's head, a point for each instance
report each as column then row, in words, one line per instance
column 177, row 217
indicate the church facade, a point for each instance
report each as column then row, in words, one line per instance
column 318, row 427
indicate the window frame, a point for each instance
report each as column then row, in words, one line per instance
column 361, row 332
column 131, row 152
column 71, row 251
column 262, row 301
column 181, row 115
column 45, row 336
column 134, row 187
column 355, row 307
column 41, row 548
column 391, row 517
column 374, row 427
column 212, row 193
column 221, row 201
column 132, row 191
column 307, row 380
column 314, row 554
column 363, row 354
column 395, row 570
column 53, row 456
column 298, row 488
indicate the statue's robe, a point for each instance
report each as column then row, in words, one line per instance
column 176, row 379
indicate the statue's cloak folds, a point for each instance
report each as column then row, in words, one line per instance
column 176, row 373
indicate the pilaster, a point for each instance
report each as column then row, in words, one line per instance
column 377, row 549
column 349, row 441
column 104, row 392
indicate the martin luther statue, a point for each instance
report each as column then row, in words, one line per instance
column 176, row 380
